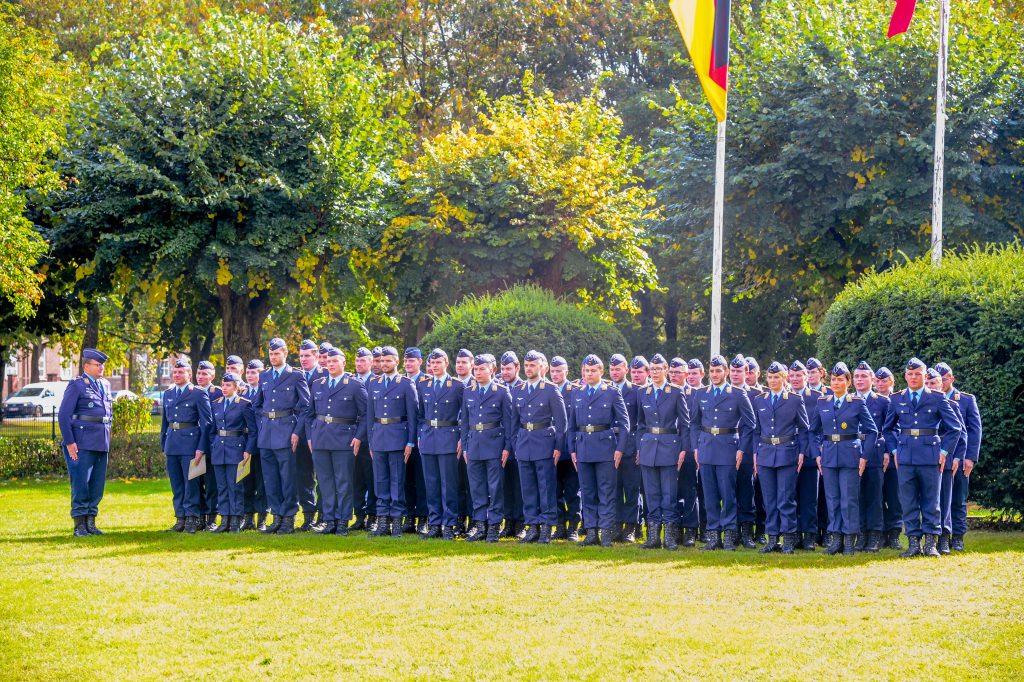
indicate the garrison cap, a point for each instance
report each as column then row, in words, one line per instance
column 388, row 350
column 307, row 345
column 233, row 360
column 558, row 361
column 718, row 361
column 325, row 346
column 814, row 363
column 96, row 355
column 943, row 369
column 413, row 352
column 658, row 359
column 840, row 369
column 916, row 363
column 933, row 373
column 592, row 360
column 230, row 376
column 183, row 363
column 534, row 356
column 255, row 364
column 752, row 363
column 797, row 366
column 864, row 366
column 639, row 361
column 617, row 359
column 883, row 373
column 377, row 351
column 739, row 362
column 694, row 363
column 436, row 354
column 483, row 359
column 776, row 368
column 276, row 343
column 464, row 353
column 333, row 352
column 363, row 352
column 205, row 364
column 676, row 363
column 509, row 357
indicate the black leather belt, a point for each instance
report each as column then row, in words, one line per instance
column 534, row 426
column 776, row 440
column 837, row 437
column 594, row 428
column 278, row 414
column 922, row 432
column 178, row 426
column 717, row 431
column 390, row 420
column 484, row 426
column 231, row 434
column 438, row 423
column 327, row 419
column 659, row 431
column 91, row 418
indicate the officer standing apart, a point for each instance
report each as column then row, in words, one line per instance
column 663, row 429
column 440, row 406
column 391, row 426
column 280, row 406
column 232, row 441
column 538, row 424
column 84, row 417
column 961, row 479
column 184, row 434
column 595, row 411
column 336, row 427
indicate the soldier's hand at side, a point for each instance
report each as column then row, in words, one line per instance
column 309, row 443
column 942, row 461
column 198, row 457
column 458, row 449
column 408, row 452
column 956, row 466
column 968, row 466
column 295, row 441
column 885, row 462
column 739, row 459
column 246, row 456
column 557, row 455
column 755, row 465
column 504, row 458
column 682, row 458
column 618, row 458
column 696, row 460
column 573, row 455
column 862, row 466
column 73, row 451
column 819, row 465
column 355, row 445
column 799, row 462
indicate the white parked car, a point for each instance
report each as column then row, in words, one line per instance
column 124, row 394
column 35, row 400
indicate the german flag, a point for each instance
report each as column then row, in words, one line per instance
column 705, row 28
column 901, row 16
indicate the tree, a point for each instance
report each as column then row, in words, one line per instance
column 542, row 191
column 227, row 165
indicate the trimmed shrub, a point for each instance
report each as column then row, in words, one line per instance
column 524, row 318
column 130, row 416
column 131, row 456
column 969, row 312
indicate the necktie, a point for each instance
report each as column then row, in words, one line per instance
column 179, row 392
column 838, row 403
column 334, row 382
column 717, row 391
column 437, row 385
column 913, row 399
column 277, row 374
column 483, row 392
column 529, row 389
column 656, row 393
column 590, row 391
column 775, row 399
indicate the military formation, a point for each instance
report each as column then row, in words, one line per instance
column 484, row 449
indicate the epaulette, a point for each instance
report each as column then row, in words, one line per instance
column 728, row 389
column 343, row 381
column 675, row 385
column 218, row 400
column 322, row 380
column 823, row 397
column 379, row 379
column 423, row 377
column 240, row 397
column 855, row 397
column 687, row 390
column 904, row 391
column 969, row 395
column 494, row 386
column 540, row 384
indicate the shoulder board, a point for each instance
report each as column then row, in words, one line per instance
column 400, row 378
column 785, row 395
column 242, row 398
column 322, row 380
column 964, row 393
column 823, row 397
column 344, row 381
column 855, row 397
column 494, row 386
column 728, row 389
column 448, row 383
column 649, row 389
column 668, row 389
column 903, row 392
column 423, row 377
column 219, row 400
column 540, row 384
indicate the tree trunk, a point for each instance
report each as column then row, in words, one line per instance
column 37, row 349
column 672, row 324
column 242, row 321
column 91, row 338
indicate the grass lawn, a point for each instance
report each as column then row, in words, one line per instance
column 140, row 603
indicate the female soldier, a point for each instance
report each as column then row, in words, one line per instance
column 231, row 443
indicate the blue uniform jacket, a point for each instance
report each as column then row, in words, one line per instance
column 786, row 419
column 239, row 416
column 397, row 400
column 84, row 396
column 631, row 397
column 493, row 407
column 440, row 405
column 960, row 449
column 729, row 410
column 545, row 404
column 289, row 392
column 213, row 391
column 668, row 411
column 193, row 407
column 875, row 447
column 852, row 418
column 605, row 408
column 346, row 401
column 972, row 421
column 934, row 413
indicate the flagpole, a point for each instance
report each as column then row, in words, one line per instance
column 716, row 256
column 938, row 178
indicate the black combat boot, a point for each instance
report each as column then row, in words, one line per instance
column 630, row 533
column 943, row 543
column 261, row 521
column 850, row 544
column 248, row 522
column 671, row 536
column 957, row 544
column 90, row 525
column 212, row 522
column 913, row 547
column 729, row 540
column 382, row 528
column 653, row 536
column 477, row 532
column 712, row 541
column 307, row 522
column 371, row 522
column 397, row 528
column 788, row 543
column 179, row 525
column 619, row 532
column 929, row 548
column 532, row 535
column 747, row 536
column 423, row 528
column 234, row 524
column 494, row 534
column 834, row 543
column 223, row 526
column 874, row 541
column 807, row 542
column 892, row 539
column 191, row 524
column 287, row 526
column 689, row 537
column 434, row 533
column 327, row 527
column 447, row 532
column 605, row 535
column 574, row 531
column 772, row 545
column 200, row 523
column 561, row 531
column 341, row 528
column 359, row 523
column 759, row 536
column 862, row 542
column 409, row 526
column 545, row 534
column 81, row 530
column 590, row 538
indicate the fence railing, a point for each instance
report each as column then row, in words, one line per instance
column 45, row 426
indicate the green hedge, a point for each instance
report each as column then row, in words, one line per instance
column 524, row 318
column 969, row 313
column 131, row 456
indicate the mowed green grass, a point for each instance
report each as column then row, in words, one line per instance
column 142, row 604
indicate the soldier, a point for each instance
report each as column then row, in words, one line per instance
column 232, row 441
column 208, row 496
column 567, row 479
column 952, row 464
column 639, row 371
column 816, row 381
column 807, row 480
column 892, row 513
column 391, row 419
column 336, row 428
column 322, row 350
column 915, row 416
column 255, row 493
column 595, row 411
column 464, row 373
column 876, row 452
column 377, row 367
column 365, row 507
column 280, row 406
column 84, row 417
column 440, row 406
column 538, row 428
column 234, row 365
column 486, row 424
column 515, row 519
column 305, row 479
column 957, row 522
column 464, row 366
column 780, row 443
column 663, row 424
column 816, row 377
column 753, row 377
column 721, row 433
column 691, row 494
column 628, row 476
column 753, row 381
column 746, row 504
column 184, row 433
column 415, row 486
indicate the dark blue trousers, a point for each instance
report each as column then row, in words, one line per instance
column 208, row 495
column 807, row 497
column 746, row 509
column 279, row 479
column 465, row 500
column 513, row 491
column 229, row 493
column 688, row 506
column 568, row 490
column 842, row 495
column 946, row 500
column 184, row 493
column 487, row 488
column 627, row 490
column 597, row 490
column 720, row 495
column 335, row 470
column 441, row 478
column 892, row 511
column 662, row 487
column 537, row 482
column 871, row 486
column 415, row 486
column 305, row 483
column 702, row 513
column 254, row 499
column 961, row 487
column 389, row 482
column 778, row 485
column 365, row 500
column 919, row 498
column 88, row 476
